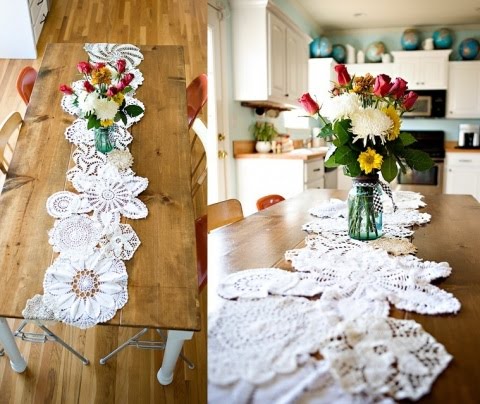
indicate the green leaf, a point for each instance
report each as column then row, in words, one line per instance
column 330, row 163
column 341, row 130
column 407, row 138
column 127, row 89
column 326, row 131
column 389, row 169
column 93, row 122
column 123, row 117
column 353, row 169
column 345, row 155
column 418, row 159
column 133, row 110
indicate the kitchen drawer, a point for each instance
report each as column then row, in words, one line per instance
column 35, row 7
column 318, row 184
column 463, row 159
column 42, row 16
column 314, row 170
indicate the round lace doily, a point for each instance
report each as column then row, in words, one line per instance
column 121, row 242
column 75, row 236
column 35, row 309
column 406, row 218
column 332, row 208
column 85, row 292
column 64, row 204
column 394, row 246
column 110, row 53
column 384, row 356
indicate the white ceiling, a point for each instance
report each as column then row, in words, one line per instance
column 354, row 14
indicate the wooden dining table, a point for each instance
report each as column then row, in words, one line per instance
column 453, row 236
column 162, row 284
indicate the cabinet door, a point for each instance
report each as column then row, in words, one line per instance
column 463, row 180
column 426, row 72
column 463, row 96
column 297, row 66
column 277, row 31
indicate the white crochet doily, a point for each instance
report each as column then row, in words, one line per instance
column 63, row 204
column 384, row 356
column 332, row 208
column 254, row 340
column 75, row 236
column 121, row 242
column 85, row 292
column 110, row 53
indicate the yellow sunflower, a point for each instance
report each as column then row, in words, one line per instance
column 392, row 114
column 118, row 98
column 102, row 76
column 370, row 160
column 106, row 123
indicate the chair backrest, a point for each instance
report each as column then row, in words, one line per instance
column 25, row 82
column 11, row 124
column 269, row 200
column 201, row 238
column 196, row 97
column 224, row 213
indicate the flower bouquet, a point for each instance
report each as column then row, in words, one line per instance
column 100, row 98
column 363, row 119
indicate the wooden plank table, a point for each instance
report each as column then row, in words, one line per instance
column 162, row 286
column 261, row 240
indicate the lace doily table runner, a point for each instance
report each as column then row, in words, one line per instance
column 335, row 302
column 87, row 282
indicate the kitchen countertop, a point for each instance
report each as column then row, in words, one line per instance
column 450, row 148
column 297, row 154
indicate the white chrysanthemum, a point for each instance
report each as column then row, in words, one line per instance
column 86, row 101
column 105, row 109
column 370, row 123
column 341, row 107
column 122, row 159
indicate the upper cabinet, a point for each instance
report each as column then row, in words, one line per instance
column 463, row 95
column 270, row 54
column 423, row 70
column 361, row 69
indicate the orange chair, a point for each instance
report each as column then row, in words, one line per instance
column 196, row 97
column 269, row 200
column 224, row 213
column 25, row 82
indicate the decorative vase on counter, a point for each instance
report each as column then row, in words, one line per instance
column 263, row 147
column 364, row 217
column 102, row 140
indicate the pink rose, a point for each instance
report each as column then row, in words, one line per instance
column 398, row 88
column 121, row 64
column 88, row 87
column 127, row 79
column 343, row 77
column 121, row 85
column 409, row 100
column 309, row 104
column 112, row 91
column 382, row 85
column 84, row 67
column 98, row 65
column 67, row 90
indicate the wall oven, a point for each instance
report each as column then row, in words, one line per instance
column 430, row 181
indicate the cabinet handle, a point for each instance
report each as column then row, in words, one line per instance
column 40, row 2
column 44, row 17
column 315, row 170
column 465, row 161
column 286, row 95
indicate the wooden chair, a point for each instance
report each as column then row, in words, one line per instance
column 25, row 82
column 196, row 99
column 269, row 200
column 224, row 213
column 8, row 128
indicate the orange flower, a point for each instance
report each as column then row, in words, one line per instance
column 102, row 76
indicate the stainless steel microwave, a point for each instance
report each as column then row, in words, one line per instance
column 430, row 104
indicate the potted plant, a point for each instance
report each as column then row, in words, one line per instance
column 263, row 132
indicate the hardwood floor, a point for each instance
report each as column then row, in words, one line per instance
column 54, row 375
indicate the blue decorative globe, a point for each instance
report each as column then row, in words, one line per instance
column 320, row 47
column 469, row 48
column 410, row 39
column 375, row 51
column 339, row 53
column 443, row 38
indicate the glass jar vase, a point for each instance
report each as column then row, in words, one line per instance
column 364, row 219
column 102, row 140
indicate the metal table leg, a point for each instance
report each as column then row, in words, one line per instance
column 173, row 347
column 11, row 349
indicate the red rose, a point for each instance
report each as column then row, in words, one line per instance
column 398, row 88
column 112, row 91
column 88, row 87
column 409, row 100
column 382, row 85
column 121, row 64
column 309, row 104
column 66, row 89
column 343, row 77
column 121, row 85
column 84, row 67
column 98, row 65
column 127, row 78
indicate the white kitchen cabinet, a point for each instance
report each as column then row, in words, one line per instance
column 360, row 69
column 462, row 174
column 423, row 70
column 257, row 177
column 321, row 75
column 21, row 22
column 270, row 54
column 463, row 95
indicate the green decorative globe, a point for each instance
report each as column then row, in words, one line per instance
column 468, row 48
column 410, row 39
column 375, row 51
column 443, row 38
